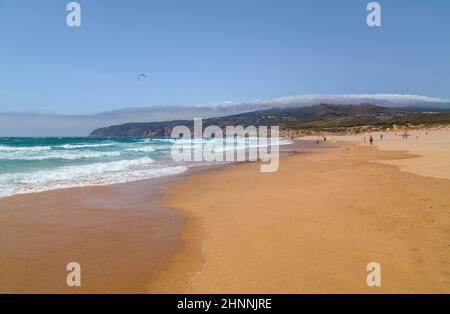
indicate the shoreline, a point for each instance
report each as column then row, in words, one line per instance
column 120, row 234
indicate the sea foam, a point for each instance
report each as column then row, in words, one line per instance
column 84, row 175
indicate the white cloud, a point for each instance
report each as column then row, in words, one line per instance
column 40, row 124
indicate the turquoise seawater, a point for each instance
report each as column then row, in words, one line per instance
column 40, row 164
column 29, row 165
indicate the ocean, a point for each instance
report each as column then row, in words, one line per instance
column 29, row 165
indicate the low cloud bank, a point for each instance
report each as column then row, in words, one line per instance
column 39, row 124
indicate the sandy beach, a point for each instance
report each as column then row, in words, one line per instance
column 431, row 149
column 119, row 235
column 311, row 227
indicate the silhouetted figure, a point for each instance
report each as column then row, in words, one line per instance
column 371, row 140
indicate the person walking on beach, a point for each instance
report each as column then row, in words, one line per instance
column 371, row 140
column 381, row 136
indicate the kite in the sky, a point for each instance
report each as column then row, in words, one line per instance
column 141, row 77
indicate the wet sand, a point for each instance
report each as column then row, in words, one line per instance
column 118, row 234
column 121, row 236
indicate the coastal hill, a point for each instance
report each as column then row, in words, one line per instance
column 323, row 117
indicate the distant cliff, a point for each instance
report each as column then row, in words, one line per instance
column 323, row 117
column 148, row 129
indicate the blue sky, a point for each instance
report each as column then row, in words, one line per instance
column 203, row 51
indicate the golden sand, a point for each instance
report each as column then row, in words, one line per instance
column 431, row 147
column 119, row 235
column 312, row 227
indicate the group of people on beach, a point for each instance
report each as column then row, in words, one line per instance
column 318, row 140
column 371, row 138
